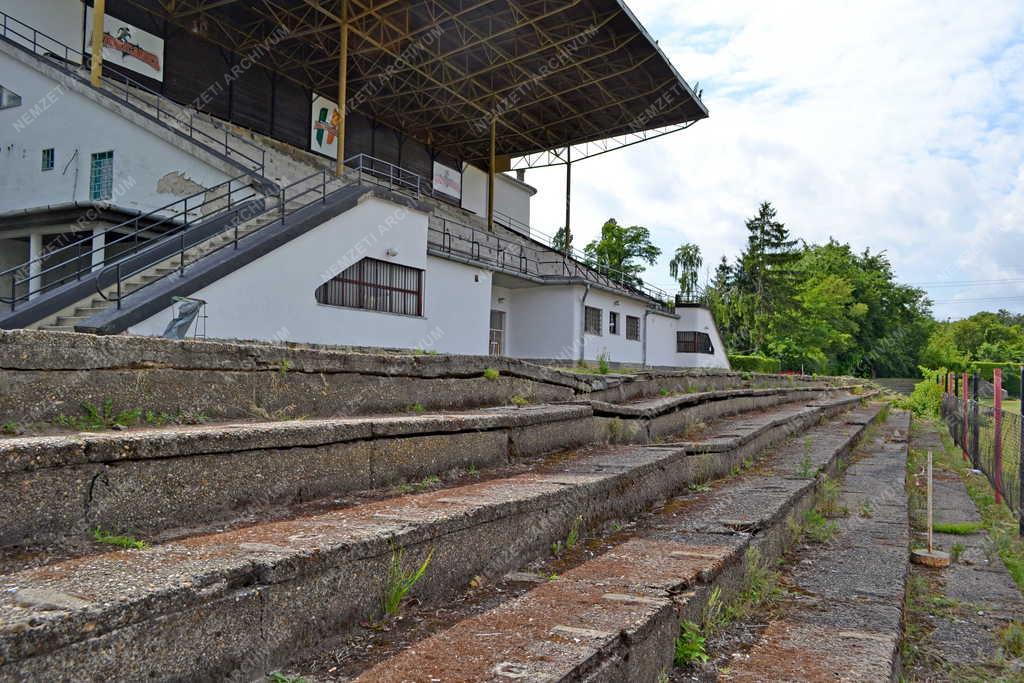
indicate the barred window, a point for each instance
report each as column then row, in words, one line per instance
column 613, row 322
column 632, row 328
column 592, row 320
column 101, row 176
column 376, row 286
column 694, row 342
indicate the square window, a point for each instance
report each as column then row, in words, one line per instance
column 592, row 320
column 48, row 159
column 101, row 176
column 613, row 322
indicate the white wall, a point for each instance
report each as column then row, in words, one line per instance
column 272, row 298
column 61, row 20
column 511, row 197
column 541, row 321
column 695, row 319
column 51, row 115
column 615, row 347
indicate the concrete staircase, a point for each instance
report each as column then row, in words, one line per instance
column 272, row 538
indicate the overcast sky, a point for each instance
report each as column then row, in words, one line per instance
column 894, row 125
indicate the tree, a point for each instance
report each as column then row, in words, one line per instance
column 685, row 267
column 560, row 242
column 622, row 251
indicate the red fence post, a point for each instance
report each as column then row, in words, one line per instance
column 997, row 441
column 963, row 441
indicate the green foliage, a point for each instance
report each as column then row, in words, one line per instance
column 490, row 374
column 828, row 501
column 690, row 645
column 519, row 401
column 1011, row 637
column 817, row 528
column 957, row 528
column 129, row 542
column 278, row 677
column 742, row 363
column 926, row 399
column 574, row 533
column 400, row 581
column 10, row 429
column 417, row 408
column 1011, row 374
column 985, row 336
column 561, row 241
column 956, row 550
column 622, row 252
column 602, row 364
column 685, row 269
column 100, row 417
column 820, row 307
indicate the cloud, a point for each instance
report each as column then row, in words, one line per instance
column 891, row 125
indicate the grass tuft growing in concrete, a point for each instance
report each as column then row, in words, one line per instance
column 128, row 542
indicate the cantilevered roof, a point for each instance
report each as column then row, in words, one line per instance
column 553, row 73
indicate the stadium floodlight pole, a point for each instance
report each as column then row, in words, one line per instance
column 99, row 10
column 490, row 178
column 342, row 83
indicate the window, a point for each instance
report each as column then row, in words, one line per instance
column 8, row 98
column 48, row 159
column 101, row 176
column 376, row 286
column 613, row 322
column 592, row 320
column 632, row 328
column 693, row 342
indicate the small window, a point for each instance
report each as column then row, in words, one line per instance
column 632, row 328
column 376, row 286
column 592, row 320
column 9, row 99
column 694, row 342
column 48, row 159
column 613, row 322
column 101, row 176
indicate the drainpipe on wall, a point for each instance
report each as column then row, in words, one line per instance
column 643, row 358
column 583, row 321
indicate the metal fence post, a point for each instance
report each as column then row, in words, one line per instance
column 997, row 436
column 963, row 432
column 1020, row 459
column 976, row 426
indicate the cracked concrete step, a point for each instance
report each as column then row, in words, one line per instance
column 846, row 619
column 615, row 617
column 151, row 480
column 243, row 600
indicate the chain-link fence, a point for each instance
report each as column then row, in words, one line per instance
column 988, row 434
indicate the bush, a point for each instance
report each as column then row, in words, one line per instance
column 755, row 363
column 926, row 399
column 1011, row 374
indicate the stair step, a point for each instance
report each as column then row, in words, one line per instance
column 620, row 612
column 305, row 578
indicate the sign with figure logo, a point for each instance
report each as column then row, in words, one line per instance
column 324, row 130
column 447, row 181
column 128, row 46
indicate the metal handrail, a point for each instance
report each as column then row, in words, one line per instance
column 113, row 77
column 178, row 218
column 575, row 262
column 282, row 212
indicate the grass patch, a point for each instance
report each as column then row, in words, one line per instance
column 278, row 677
column 957, row 528
column 490, row 374
column 817, row 529
column 519, row 401
column 690, row 645
column 127, row 542
column 97, row 418
column 400, row 581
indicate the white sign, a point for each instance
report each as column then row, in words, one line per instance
column 447, row 181
column 128, row 46
column 324, row 126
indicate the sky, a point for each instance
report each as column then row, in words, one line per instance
column 896, row 126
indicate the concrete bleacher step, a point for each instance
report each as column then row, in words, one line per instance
column 236, row 603
column 152, row 480
column 616, row 617
column 842, row 619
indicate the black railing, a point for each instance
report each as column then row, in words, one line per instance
column 574, row 264
column 131, row 92
column 286, row 205
column 73, row 260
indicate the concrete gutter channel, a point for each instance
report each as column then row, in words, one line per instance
column 45, row 374
column 615, row 618
column 238, row 602
column 170, row 478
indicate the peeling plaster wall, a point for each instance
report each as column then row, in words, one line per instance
column 53, row 116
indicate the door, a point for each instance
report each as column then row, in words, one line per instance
column 496, row 347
